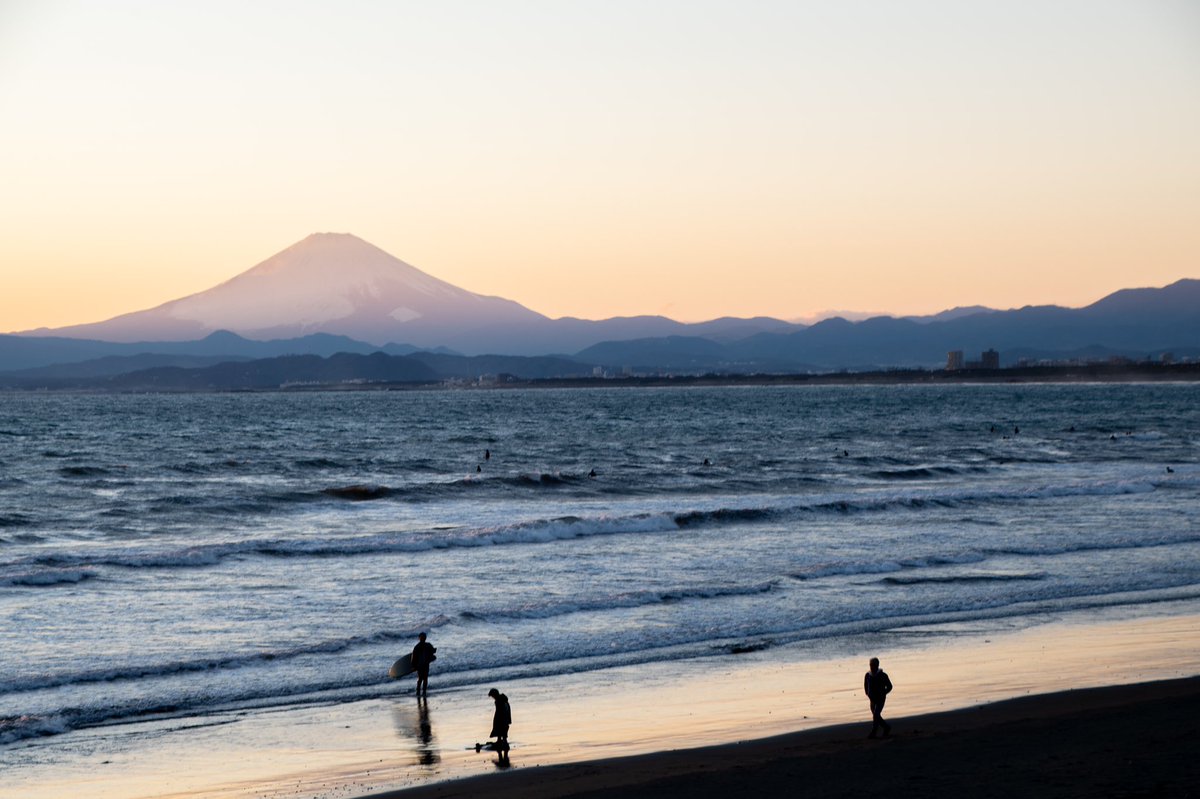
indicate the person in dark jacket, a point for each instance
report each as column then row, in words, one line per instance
column 422, row 656
column 501, row 720
column 877, row 685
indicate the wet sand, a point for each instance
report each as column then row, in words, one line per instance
column 762, row 722
column 1132, row 740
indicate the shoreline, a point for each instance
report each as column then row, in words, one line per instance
column 1090, row 373
column 394, row 745
column 1125, row 739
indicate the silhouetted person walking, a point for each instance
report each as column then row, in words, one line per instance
column 422, row 656
column 501, row 720
column 877, row 686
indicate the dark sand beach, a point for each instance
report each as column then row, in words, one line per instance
column 1135, row 740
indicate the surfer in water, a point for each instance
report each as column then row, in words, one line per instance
column 877, row 686
column 422, row 656
column 501, row 720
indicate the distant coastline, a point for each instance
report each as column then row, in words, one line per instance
column 1144, row 372
column 1087, row 373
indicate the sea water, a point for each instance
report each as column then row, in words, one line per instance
column 170, row 556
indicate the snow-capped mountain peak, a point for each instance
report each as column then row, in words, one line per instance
column 326, row 283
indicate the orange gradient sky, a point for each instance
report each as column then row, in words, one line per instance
column 694, row 159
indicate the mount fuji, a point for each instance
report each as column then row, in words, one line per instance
column 334, row 292
column 327, row 283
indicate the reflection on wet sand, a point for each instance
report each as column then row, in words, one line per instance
column 500, row 748
column 418, row 726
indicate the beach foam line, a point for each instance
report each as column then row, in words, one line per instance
column 650, row 711
column 624, row 600
column 207, row 664
column 543, row 531
column 472, row 671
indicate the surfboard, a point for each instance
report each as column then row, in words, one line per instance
column 402, row 667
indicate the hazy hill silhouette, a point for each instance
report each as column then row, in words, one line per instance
column 1135, row 323
column 276, row 372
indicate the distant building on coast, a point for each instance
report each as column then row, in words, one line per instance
column 990, row 359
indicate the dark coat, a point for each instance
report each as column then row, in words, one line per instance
column 502, row 718
column 877, row 686
column 422, row 655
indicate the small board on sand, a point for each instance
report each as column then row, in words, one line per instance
column 402, row 667
column 490, row 746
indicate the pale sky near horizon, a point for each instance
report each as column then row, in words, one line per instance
column 694, row 159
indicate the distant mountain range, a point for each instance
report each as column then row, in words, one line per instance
column 337, row 284
column 334, row 294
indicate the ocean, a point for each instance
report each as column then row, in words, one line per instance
column 172, row 556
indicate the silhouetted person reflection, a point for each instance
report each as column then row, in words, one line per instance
column 877, row 685
column 426, row 752
column 419, row 727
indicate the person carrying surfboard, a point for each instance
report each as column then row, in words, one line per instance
column 422, row 656
column 501, row 720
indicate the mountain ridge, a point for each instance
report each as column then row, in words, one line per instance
column 334, row 292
